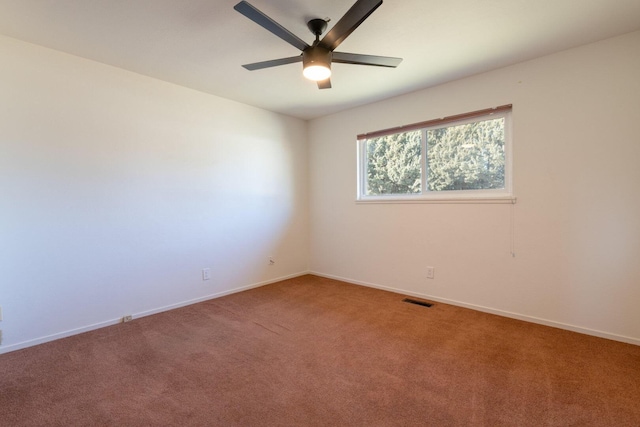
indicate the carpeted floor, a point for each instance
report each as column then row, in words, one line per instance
column 316, row 352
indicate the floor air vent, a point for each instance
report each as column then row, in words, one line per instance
column 417, row 302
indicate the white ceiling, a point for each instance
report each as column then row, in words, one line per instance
column 201, row 44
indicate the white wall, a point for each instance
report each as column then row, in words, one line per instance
column 117, row 189
column 576, row 126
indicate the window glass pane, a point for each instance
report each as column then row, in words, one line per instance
column 466, row 157
column 393, row 164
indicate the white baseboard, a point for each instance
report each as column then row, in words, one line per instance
column 217, row 295
column 111, row 322
column 573, row 328
column 586, row 331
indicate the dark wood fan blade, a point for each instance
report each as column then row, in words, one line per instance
column 270, row 25
column 349, row 22
column 324, row 84
column 272, row 63
column 354, row 58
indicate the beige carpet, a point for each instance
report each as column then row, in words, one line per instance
column 317, row 352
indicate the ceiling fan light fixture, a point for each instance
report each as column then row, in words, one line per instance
column 316, row 63
column 316, row 72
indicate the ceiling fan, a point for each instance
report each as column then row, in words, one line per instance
column 317, row 58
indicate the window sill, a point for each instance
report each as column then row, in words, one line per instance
column 442, row 200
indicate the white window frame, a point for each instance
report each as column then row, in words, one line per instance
column 503, row 195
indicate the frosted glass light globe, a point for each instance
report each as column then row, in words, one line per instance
column 316, row 72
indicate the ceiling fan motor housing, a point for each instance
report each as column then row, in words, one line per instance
column 316, row 55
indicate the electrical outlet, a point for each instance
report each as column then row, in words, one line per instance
column 127, row 318
column 0, row 314
column 430, row 272
column 271, row 260
column 206, row 274
column 0, row 336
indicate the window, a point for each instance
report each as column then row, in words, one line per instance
column 465, row 157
